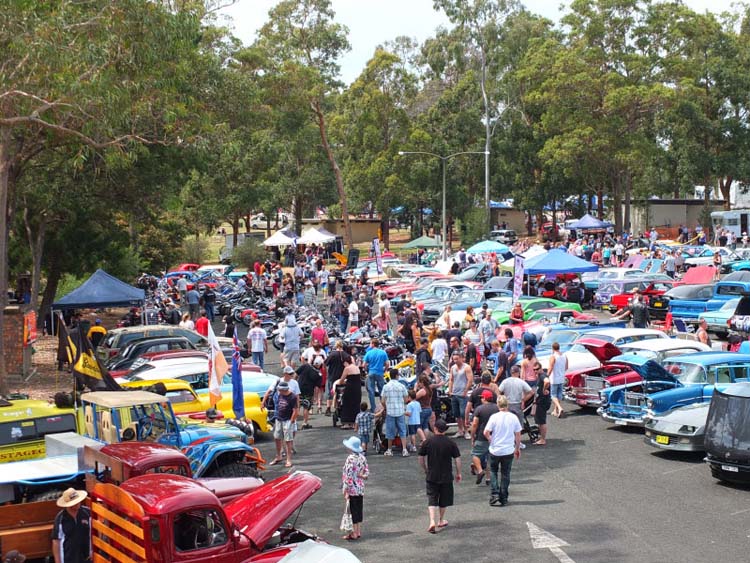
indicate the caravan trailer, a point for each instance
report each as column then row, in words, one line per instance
column 736, row 220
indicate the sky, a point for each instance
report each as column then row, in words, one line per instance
column 373, row 22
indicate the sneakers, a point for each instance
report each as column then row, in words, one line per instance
column 413, row 449
column 467, row 435
column 405, row 453
column 523, row 446
column 480, row 476
column 494, row 501
column 306, row 426
column 388, row 453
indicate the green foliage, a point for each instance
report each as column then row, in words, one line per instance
column 473, row 227
column 194, row 250
column 68, row 283
column 248, row 253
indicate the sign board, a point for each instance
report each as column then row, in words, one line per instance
column 378, row 255
column 29, row 328
column 518, row 277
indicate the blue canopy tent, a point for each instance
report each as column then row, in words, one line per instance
column 557, row 261
column 488, row 246
column 101, row 290
column 589, row 222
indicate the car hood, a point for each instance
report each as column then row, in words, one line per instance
column 698, row 275
column 601, row 350
column 261, row 512
column 649, row 370
column 692, row 415
column 311, row 551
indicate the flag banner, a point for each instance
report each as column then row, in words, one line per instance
column 89, row 369
column 238, row 395
column 67, row 344
column 518, row 277
column 217, row 367
column 378, row 255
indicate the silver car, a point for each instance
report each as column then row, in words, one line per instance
column 679, row 430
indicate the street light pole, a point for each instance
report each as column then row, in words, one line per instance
column 443, row 162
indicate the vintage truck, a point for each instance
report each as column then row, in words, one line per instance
column 28, row 489
column 161, row 517
column 724, row 290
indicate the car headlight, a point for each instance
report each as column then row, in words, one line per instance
column 649, row 404
column 687, row 429
column 607, row 383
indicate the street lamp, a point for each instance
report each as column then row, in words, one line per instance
column 443, row 160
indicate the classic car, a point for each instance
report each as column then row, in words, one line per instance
column 718, row 321
column 467, row 298
column 725, row 290
column 658, row 306
column 610, row 288
column 530, row 305
column 130, row 353
column 727, row 437
column 412, row 283
column 682, row 381
column 706, row 258
column 649, row 289
column 679, row 430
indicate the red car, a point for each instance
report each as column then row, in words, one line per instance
column 420, row 281
column 647, row 289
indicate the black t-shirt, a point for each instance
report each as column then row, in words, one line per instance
column 285, row 405
column 453, row 333
column 483, row 414
column 308, row 379
column 422, row 359
column 476, row 396
column 73, row 535
column 335, row 364
column 440, row 452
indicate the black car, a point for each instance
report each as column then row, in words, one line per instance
column 727, row 435
column 659, row 305
column 125, row 357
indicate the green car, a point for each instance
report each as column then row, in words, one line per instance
column 502, row 306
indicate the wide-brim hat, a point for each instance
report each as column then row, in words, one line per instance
column 71, row 497
column 354, row 444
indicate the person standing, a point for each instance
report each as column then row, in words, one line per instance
column 480, row 447
column 201, row 325
column 558, row 365
column 375, row 361
column 286, row 409
column 437, row 455
column 97, row 333
column 439, row 348
column 71, row 532
column 393, row 398
column 458, row 390
column 308, row 378
column 193, row 299
column 353, row 309
column 503, row 431
column 353, row 477
column 334, row 363
column 352, row 394
column 702, row 333
column 292, row 336
column 182, row 285
column 257, row 343
column 543, row 404
column 209, row 300
column 517, row 391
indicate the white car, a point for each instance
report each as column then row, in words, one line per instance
column 580, row 359
column 706, row 257
column 659, row 349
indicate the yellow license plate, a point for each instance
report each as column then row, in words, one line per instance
column 658, row 304
column 662, row 440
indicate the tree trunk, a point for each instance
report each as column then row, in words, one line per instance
column 725, row 185
column 589, row 203
column 628, row 201
column 298, row 215
column 36, row 247
column 236, row 228
column 336, row 172
column 600, row 204
column 5, row 163
column 553, row 231
column 616, row 201
column 487, row 136
column 385, row 228
column 54, row 274
column 247, row 222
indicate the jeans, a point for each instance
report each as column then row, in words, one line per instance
column 374, row 381
column 504, row 462
column 210, row 314
column 343, row 321
column 258, row 359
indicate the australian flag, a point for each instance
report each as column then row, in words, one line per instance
column 238, row 396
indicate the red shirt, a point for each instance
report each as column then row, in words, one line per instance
column 201, row 326
column 319, row 334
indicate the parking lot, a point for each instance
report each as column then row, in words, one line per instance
column 599, row 489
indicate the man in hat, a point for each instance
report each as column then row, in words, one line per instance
column 72, row 530
column 285, row 413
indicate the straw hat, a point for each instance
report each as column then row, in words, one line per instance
column 71, row 497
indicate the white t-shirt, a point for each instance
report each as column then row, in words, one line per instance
column 310, row 355
column 503, row 426
column 323, row 275
column 353, row 312
column 439, row 349
column 557, row 375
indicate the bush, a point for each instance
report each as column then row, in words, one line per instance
column 246, row 254
column 194, row 250
column 474, row 227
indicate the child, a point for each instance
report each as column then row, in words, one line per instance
column 413, row 411
column 363, row 425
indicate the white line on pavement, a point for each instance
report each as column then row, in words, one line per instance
column 740, row 512
column 542, row 539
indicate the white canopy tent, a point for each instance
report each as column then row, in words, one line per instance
column 314, row 236
column 279, row 238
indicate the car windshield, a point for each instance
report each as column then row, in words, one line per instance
column 470, row 296
column 562, row 337
column 502, row 306
column 140, row 370
column 684, row 291
column 469, row 273
column 730, row 305
column 608, row 275
column 686, row 373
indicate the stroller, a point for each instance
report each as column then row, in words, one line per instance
column 530, row 427
column 379, row 440
column 338, row 396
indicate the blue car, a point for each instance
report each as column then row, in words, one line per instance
column 681, row 381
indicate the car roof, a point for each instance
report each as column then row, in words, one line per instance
column 710, row 358
column 662, row 344
column 117, row 399
column 619, row 332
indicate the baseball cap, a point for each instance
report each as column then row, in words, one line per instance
column 318, row 361
column 288, row 369
column 487, row 394
column 283, row 385
column 440, row 425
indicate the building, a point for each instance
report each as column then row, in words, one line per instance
column 669, row 213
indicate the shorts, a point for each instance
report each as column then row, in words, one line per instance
column 364, row 438
column 439, row 494
column 480, row 449
column 292, row 356
column 395, row 425
column 424, row 418
column 540, row 414
column 283, row 430
column 308, row 398
column 458, row 406
column 356, row 505
column 413, row 429
column 556, row 391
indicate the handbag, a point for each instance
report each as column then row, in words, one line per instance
column 346, row 519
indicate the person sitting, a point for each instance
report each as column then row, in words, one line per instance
column 516, row 314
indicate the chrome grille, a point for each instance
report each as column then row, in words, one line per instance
column 635, row 399
column 594, row 383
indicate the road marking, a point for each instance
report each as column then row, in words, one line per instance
column 542, row 539
column 740, row 512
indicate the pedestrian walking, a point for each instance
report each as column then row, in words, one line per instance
column 193, row 299
column 71, row 532
column 517, row 392
column 363, row 425
column 480, row 446
column 292, row 336
column 257, row 343
column 393, row 398
column 458, row 390
column 437, row 455
column 209, row 302
column 286, row 409
column 308, row 378
column 543, row 403
column 503, row 431
column 353, row 477
column 335, row 363
column 375, row 361
column 558, row 365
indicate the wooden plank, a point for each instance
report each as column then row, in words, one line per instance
column 14, row 516
column 35, row 543
column 106, row 514
column 112, row 534
column 116, row 554
column 116, row 496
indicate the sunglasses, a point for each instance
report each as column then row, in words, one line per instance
column 537, row 369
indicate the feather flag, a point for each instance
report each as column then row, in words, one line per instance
column 238, row 395
column 217, row 367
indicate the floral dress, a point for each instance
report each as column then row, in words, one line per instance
column 354, row 474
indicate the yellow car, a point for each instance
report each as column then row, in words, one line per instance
column 25, row 422
column 185, row 402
